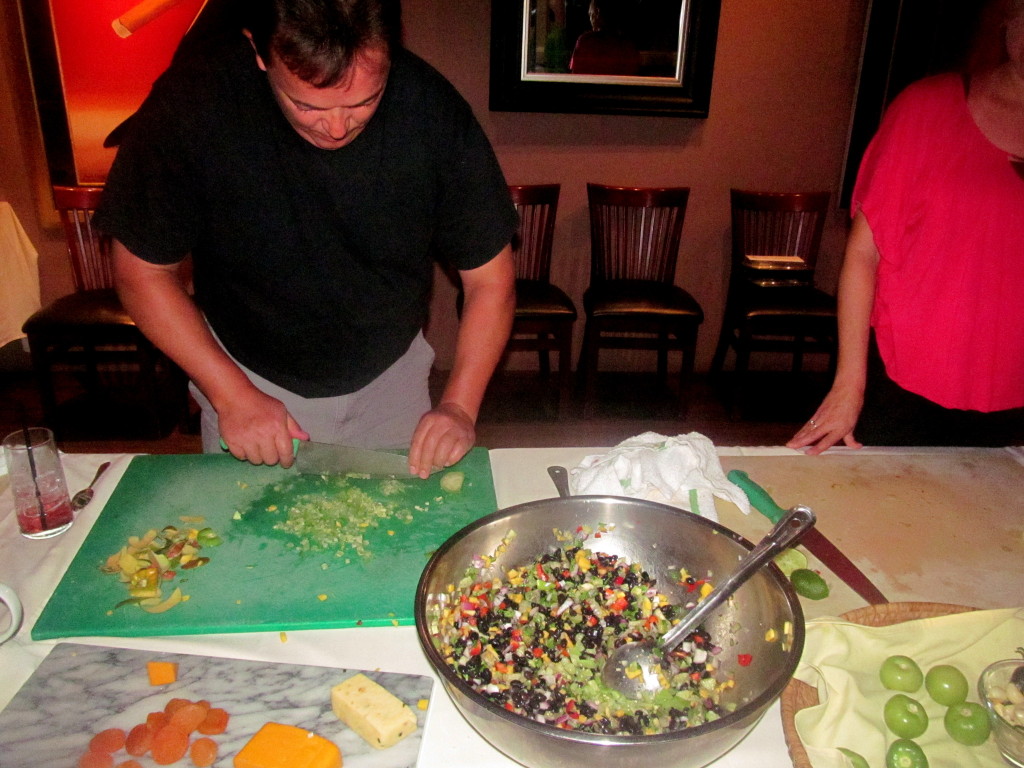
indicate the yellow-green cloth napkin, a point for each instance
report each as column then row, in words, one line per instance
column 841, row 660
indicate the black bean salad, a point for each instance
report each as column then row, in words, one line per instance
column 535, row 641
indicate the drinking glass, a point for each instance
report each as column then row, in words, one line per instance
column 37, row 480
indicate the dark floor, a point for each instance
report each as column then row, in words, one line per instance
column 519, row 411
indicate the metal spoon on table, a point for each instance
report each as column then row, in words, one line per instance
column 650, row 654
column 84, row 496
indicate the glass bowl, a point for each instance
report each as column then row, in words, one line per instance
column 996, row 692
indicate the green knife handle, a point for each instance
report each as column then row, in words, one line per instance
column 758, row 496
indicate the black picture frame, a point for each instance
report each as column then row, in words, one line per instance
column 688, row 96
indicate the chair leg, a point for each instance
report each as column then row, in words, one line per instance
column 588, row 367
column 564, row 369
column 686, row 373
column 721, row 349
column 149, row 380
column 798, row 352
column 543, row 359
column 44, row 382
column 743, row 342
column 663, row 337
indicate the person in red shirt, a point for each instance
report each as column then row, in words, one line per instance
column 607, row 49
column 931, row 320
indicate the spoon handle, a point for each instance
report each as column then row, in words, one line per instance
column 560, row 478
column 790, row 528
column 102, row 468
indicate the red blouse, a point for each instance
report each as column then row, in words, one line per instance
column 946, row 208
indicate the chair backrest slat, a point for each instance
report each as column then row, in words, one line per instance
column 88, row 249
column 537, row 205
column 635, row 231
column 786, row 224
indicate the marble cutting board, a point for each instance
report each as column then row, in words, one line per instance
column 79, row 690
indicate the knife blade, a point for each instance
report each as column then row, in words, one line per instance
column 324, row 459
column 815, row 541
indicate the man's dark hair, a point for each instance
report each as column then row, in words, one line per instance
column 317, row 40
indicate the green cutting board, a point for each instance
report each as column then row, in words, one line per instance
column 260, row 578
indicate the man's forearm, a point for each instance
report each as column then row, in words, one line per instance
column 157, row 301
column 487, row 314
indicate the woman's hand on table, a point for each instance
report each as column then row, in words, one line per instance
column 833, row 422
column 443, row 436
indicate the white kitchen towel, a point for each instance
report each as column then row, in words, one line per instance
column 659, row 468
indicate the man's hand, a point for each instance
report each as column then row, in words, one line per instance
column 443, row 436
column 257, row 428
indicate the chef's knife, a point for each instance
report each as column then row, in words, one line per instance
column 814, row 540
column 325, row 459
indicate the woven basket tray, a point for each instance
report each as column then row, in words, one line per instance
column 798, row 695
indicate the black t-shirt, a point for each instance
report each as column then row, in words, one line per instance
column 314, row 267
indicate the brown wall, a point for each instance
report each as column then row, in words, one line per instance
column 784, row 83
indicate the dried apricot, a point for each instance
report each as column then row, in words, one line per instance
column 173, row 705
column 215, row 722
column 93, row 759
column 139, row 739
column 157, row 720
column 170, row 744
column 188, row 717
column 203, row 752
column 109, row 741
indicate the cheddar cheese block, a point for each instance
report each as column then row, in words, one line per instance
column 287, row 746
column 376, row 714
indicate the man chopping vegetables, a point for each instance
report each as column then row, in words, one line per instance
column 314, row 170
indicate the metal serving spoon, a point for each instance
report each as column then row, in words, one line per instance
column 84, row 496
column 649, row 655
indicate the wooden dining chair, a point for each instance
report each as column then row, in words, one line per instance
column 544, row 314
column 772, row 304
column 632, row 301
column 129, row 389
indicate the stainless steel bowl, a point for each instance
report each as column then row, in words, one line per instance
column 663, row 539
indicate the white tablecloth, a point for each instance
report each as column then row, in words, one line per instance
column 34, row 568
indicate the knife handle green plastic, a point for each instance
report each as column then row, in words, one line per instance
column 295, row 445
column 758, row 496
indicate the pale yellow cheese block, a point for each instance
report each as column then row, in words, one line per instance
column 376, row 714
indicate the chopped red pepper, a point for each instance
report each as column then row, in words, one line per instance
column 475, row 650
column 744, row 659
column 538, row 652
column 540, row 573
column 695, row 586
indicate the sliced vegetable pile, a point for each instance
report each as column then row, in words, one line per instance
column 334, row 515
column 535, row 643
column 148, row 563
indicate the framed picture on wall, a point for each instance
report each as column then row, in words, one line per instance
column 92, row 65
column 625, row 57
